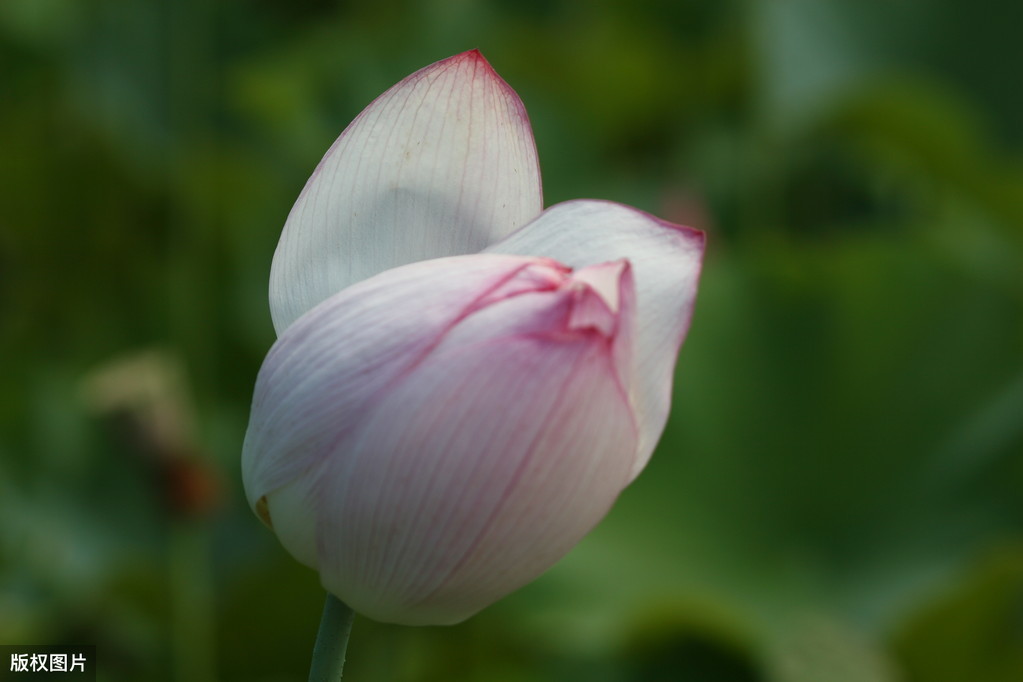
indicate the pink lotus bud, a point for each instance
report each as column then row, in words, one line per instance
column 430, row 433
column 446, row 430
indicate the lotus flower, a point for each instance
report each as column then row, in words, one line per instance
column 463, row 383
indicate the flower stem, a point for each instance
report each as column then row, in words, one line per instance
column 331, row 641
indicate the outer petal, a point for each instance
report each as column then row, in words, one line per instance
column 441, row 164
column 480, row 465
column 666, row 258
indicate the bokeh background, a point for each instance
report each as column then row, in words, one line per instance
column 837, row 497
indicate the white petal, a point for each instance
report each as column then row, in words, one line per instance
column 441, row 164
column 666, row 259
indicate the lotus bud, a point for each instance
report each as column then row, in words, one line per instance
column 463, row 382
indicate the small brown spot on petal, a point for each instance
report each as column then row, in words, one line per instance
column 263, row 512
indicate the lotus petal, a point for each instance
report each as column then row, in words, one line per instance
column 441, row 164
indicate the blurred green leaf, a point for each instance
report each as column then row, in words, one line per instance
column 973, row 631
column 817, row 648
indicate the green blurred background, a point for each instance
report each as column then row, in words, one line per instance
column 837, row 495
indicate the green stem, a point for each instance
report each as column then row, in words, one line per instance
column 331, row 641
